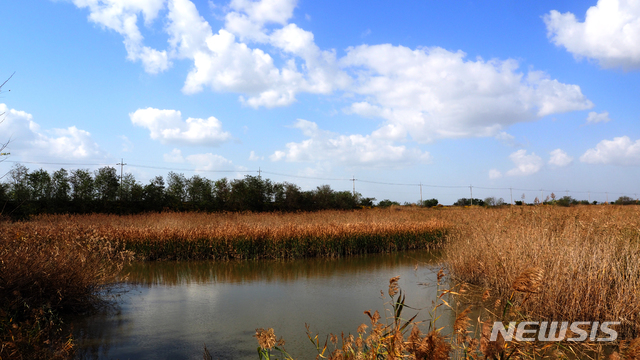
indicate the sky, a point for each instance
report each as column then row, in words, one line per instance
column 499, row 98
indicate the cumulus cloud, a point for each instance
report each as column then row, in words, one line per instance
column 619, row 151
column 560, row 158
column 202, row 162
column 127, row 145
column 168, row 127
column 494, row 174
column 505, row 138
column 433, row 93
column 260, row 54
column 610, row 33
column 525, row 164
column 211, row 162
column 354, row 149
column 121, row 16
column 175, row 156
column 594, row 117
column 29, row 141
column 254, row 157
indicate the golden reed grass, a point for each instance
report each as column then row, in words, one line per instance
column 191, row 236
column 575, row 264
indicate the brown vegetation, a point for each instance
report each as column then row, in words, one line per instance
column 589, row 257
column 191, row 236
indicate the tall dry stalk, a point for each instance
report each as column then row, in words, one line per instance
column 590, row 258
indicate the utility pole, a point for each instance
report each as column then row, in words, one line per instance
column 471, row 189
column 259, row 173
column 122, row 164
column 607, row 197
column 589, row 196
column 511, row 193
column 354, row 185
column 421, row 203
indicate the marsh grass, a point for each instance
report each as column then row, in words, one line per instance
column 226, row 236
column 43, row 277
column 589, row 255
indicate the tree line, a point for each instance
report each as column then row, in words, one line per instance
column 25, row 193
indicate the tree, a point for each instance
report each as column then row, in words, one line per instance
column 106, row 183
column 40, row 185
column 82, row 185
column 625, row 200
column 199, row 190
column 19, row 175
column 430, row 203
column 386, row 203
column 154, row 193
column 467, row 202
column 61, row 186
column 176, row 188
column 221, row 193
column 130, row 189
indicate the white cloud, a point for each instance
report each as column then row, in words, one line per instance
column 505, row 138
column 354, row 149
column 254, row 157
column 121, row 16
column 432, row 93
column 594, row 117
column 619, row 151
column 28, row 141
column 525, row 164
column 209, row 162
column 175, row 156
column 168, row 127
column 560, row 158
column 494, row 174
column 127, row 145
column 423, row 93
column 609, row 34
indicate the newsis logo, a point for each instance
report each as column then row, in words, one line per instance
column 548, row 331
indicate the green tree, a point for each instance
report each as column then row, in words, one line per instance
column 430, row 203
column 82, row 185
column 61, row 186
column 176, row 188
column 252, row 193
column 625, row 200
column 199, row 190
column 154, row 193
column 19, row 177
column 130, row 189
column 106, row 184
column 40, row 185
column 221, row 194
column 387, row 203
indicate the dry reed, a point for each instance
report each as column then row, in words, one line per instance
column 191, row 236
column 589, row 257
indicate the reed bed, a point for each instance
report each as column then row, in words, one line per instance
column 226, row 236
column 588, row 258
column 42, row 278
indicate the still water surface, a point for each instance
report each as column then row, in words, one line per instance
column 170, row 309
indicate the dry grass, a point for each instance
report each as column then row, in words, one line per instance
column 578, row 263
column 190, row 236
column 41, row 278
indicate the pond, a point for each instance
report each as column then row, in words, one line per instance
column 169, row 310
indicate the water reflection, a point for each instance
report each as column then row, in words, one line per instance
column 172, row 308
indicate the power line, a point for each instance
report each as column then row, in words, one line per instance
column 419, row 185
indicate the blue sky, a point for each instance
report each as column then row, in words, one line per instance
column 494, row 94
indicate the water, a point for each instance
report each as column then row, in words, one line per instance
column 171, row 309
